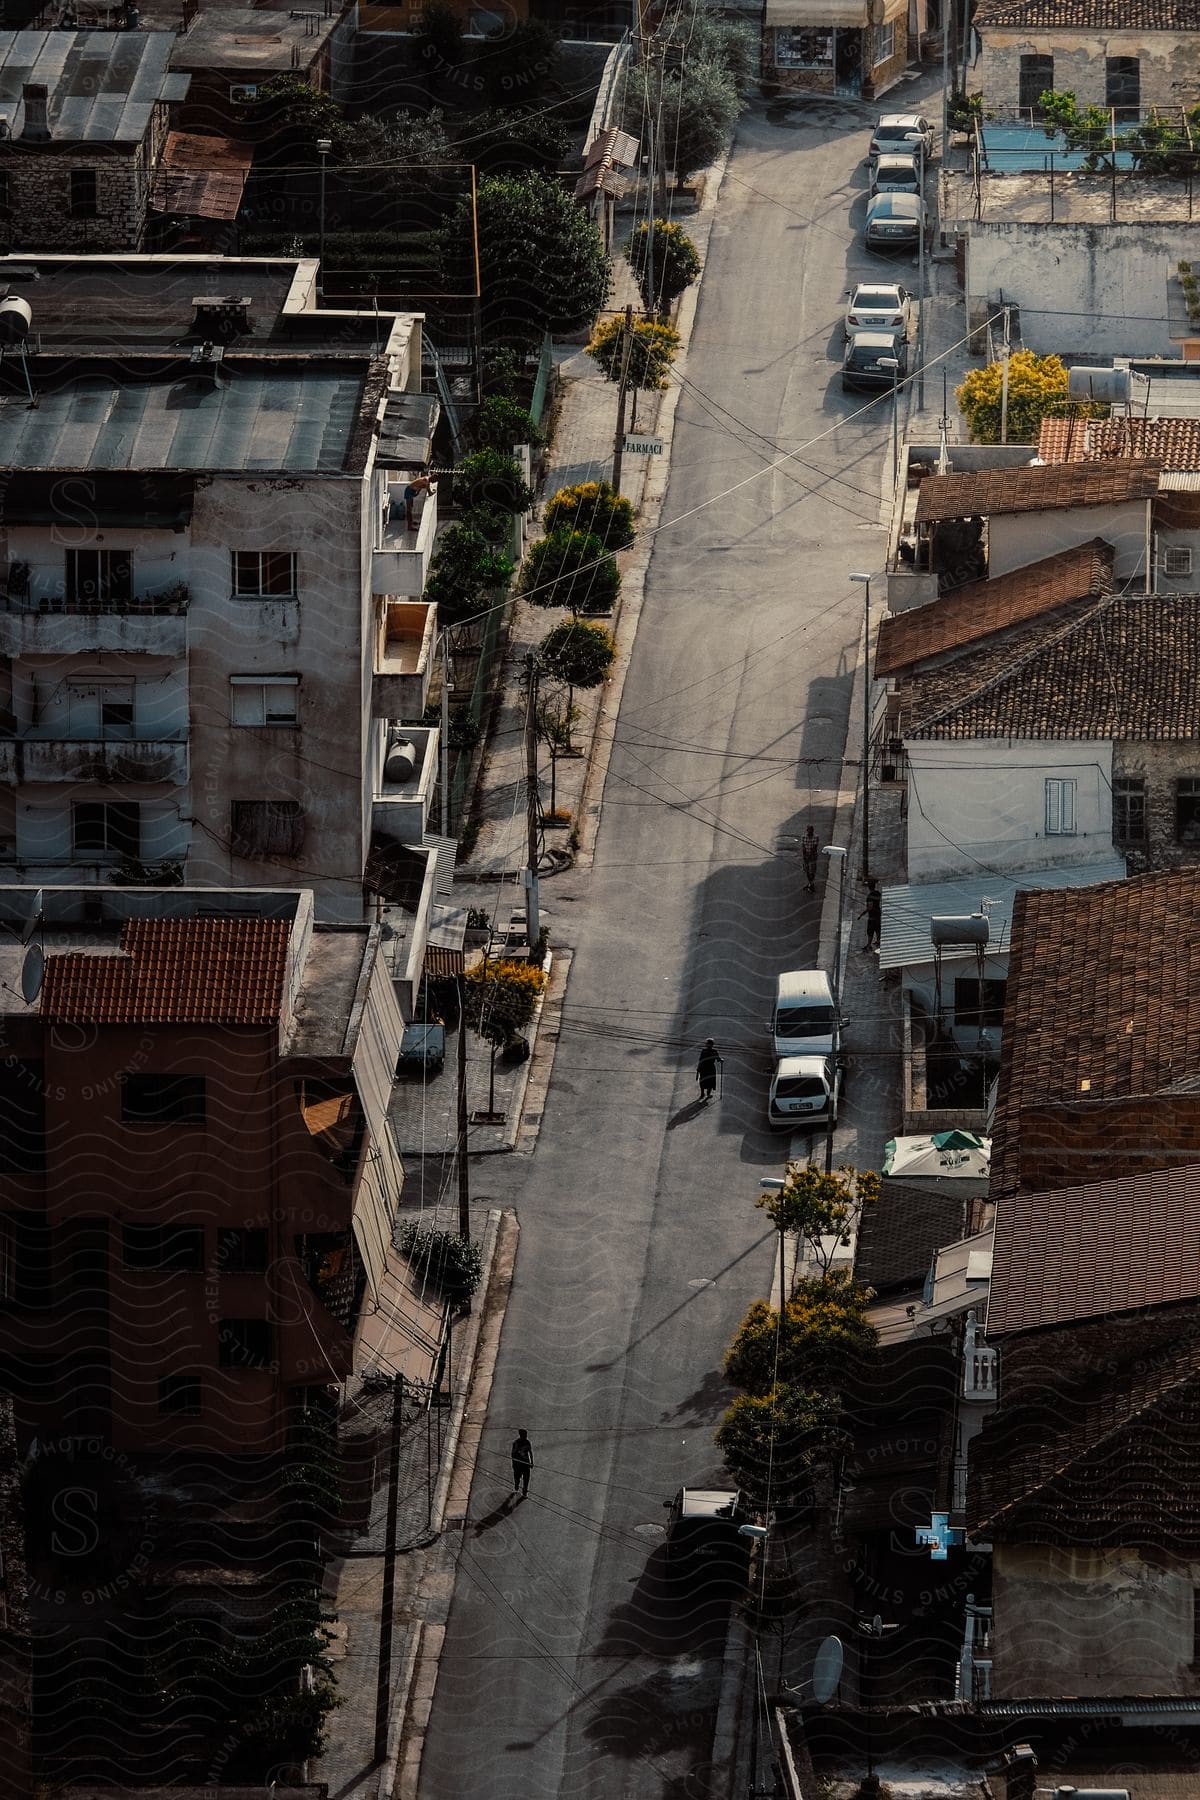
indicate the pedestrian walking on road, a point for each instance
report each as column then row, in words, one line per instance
column 873, row 914
column 522, row 1462
column 810, row 847
column 706, row 1069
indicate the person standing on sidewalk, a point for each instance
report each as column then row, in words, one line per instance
column 522, row 1462
column 873, row 914
column 810, row 846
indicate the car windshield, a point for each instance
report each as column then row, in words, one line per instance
column 863, row 356
column 799, row 1087
column 876, row 300
column 888, row 134
column 805, row 1021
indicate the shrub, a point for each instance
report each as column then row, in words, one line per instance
column 453, row 1263
column 500, row 423
column 594, row 507
column 576, row 654
column 570, row 568
column 825, row 1341
column 771, row 1442
column 489, row 478
column 1037, row 389
column 464, row 566
column 646, row 356
column 676, row 263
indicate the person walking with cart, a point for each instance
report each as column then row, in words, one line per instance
column 810, row 849
column 708, row 1064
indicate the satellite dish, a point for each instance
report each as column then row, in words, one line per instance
column 33, row 968
column 34, row 920
column 827, row 1670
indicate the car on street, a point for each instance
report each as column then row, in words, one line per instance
column 422, row 1050
column 803, row 1020
column 867, row 359
column 901, row 131
column 894, row 222
column 895, row 175
column 704, row 1542
column 805, row 1092
column 878, row 306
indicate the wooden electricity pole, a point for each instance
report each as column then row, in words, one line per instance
column 619, row 440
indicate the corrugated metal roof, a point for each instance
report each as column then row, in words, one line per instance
column 904, row 935
column 279, row 415
column 102, row 85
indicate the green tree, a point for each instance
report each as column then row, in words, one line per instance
column 820, row 1209
column 570, row 568
column 594, row 507
column 825, row 1342
column 700, row 105
column 554, row 717
column 1037, row 390
column 463, row 568
column 500, row 423
column 676, row 263
column 646, row 353
column 513, row 141
column 772, row 1442
column 499, row 1000
column 1085, row 128
column 491, row 479
column 415, row 138
column 576, row 654
column 542, row 266
column 288, row 116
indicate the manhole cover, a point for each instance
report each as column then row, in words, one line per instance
column 702, row 1281
column 650, row 1531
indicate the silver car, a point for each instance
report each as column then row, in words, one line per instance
column 894, row 222
column 878, row 306
column 900, row 132
column 895, row 175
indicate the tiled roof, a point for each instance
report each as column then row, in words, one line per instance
column 1068, row 1144
column 1091, row 15
column 1175, row 443
column 982, row 607
column 1098, row 1002
column 174, row 972
column 902, row 1230
column 1126, row 666
column 1096, row 1440
column 1066, row 1255
column 1033, row 488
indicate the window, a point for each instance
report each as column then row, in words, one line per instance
column 803, row 49
column 1060, row 808
column 83, row 194
column 179, row 1394
column 1177, row 561
column 979, row 1002
column 5, row 192
column 885, row 43
column 260, row 828
column 106, row 830
column 241, row 1250
column 1123, row 88
column 264, row 699
column 1187, row 810
column 164, row 1247
column 264, row 574
column 163, row 1099
column 245, row 1343
column 100, row 709
column 1129, row 810
column 1037, row 74
column 100, row 578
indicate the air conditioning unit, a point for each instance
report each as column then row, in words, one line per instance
column 1177, row 560
column 243, row 93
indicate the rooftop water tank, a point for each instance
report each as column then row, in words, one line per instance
column 16, row 316
column 1108, row 386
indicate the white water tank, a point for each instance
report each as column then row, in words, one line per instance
column 400, row 764
column 16, row 316
column 1110, row 387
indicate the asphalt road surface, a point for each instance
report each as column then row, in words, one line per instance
column 569, row 1666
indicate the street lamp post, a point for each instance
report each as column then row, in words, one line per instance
column 865, row 581
column 874, row 1630
column 893, row 363
column 837, row 854
column 324, row 146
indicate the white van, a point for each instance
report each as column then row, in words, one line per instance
column 804, row 1021
column 805, row 1091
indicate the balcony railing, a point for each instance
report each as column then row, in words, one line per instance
column 168, row 602
column 93, row 759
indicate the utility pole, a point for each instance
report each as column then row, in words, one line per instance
column 446, row 689
column 652, row 295
column 619, row 440
column 383, row 1682
column 865, row 583
column 1004, row 381
column 921, row 283
column 532, row 804
column 324, row 146
column 464, row 1177
column 946, row 5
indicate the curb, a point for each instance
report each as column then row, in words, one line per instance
column 735, row 1673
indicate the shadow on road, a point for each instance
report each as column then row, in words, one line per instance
column 692, row 1110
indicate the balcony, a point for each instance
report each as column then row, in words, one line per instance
column 112, row 761
column 38, row 624
column 402, row 803
column 400, row 560
column 404, row 658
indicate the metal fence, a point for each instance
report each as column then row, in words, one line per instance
column 488, row 650
column 542, row 381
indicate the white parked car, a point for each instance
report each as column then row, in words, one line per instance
column 895, row 174
column 879, row 306
column 805, row 1091
column 901, row 131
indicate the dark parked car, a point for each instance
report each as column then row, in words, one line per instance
column 705, row 1547
column 422, row 1050
column 864, row 358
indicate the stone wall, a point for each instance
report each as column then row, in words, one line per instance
column 39, row 188
column 1170, row 65
column 1160, row 765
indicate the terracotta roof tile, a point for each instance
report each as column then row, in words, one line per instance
column 1096, row 1439
column 1099, row 999
column 1091, row 15
column 174, row 972
column 1175, row 443
column 983, row 607
column 1065, row 1255
column 1034, row 488
column 1124, row 667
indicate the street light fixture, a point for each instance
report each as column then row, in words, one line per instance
column 893, row 363
column 874, row 1630
column 865, row 581
column 837, row 855
column 324, row 146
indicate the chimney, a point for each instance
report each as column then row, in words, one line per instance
column 37, row 113
column 1021, row 1772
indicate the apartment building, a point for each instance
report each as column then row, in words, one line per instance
column 219, row 1064
column 213, row 651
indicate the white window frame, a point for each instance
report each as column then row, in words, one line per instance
column 1060, row 806
column 252, row 574
column 885, row 42
column 264, row 700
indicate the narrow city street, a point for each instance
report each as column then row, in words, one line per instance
column 568, row 1668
